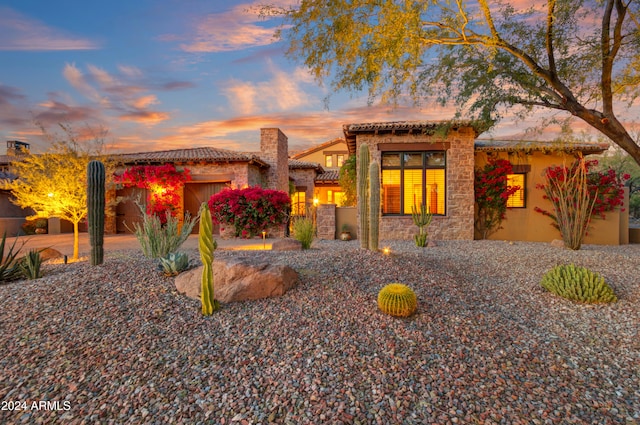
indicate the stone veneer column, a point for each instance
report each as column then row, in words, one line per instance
column 326, row 221
column 460, row 193
column 274, row 150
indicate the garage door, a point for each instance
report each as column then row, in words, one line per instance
column 197, row 193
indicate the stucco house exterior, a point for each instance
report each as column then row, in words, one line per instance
column 213, row 170
column 331, row 155
column 421, row 162
column 434, row 162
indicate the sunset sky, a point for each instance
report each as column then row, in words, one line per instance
column 165, row 74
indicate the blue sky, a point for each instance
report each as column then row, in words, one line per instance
column 165, row 74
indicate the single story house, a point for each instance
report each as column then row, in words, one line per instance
column 421, row 162
column 434, row 162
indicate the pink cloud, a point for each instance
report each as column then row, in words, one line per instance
column 19, row 32
column 238, row 28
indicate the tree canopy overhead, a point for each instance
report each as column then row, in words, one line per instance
column 576, row 56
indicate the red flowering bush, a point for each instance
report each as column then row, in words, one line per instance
column 163, row 182
column 491, row 194
column 251, row 210
column 576, row 193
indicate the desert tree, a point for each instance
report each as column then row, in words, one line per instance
column 53, row 184
column 577, row 57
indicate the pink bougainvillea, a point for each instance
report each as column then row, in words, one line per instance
column 491, row 194
column 163, row 183
column 251, row 210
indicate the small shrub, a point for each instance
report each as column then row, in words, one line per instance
column 174, row 263
column 398, row 300
column 157, row 239
column 30, row 265
column 303, row 230
column 578, row 284
column 9, row 267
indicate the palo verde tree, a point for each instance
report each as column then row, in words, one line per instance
column 53, row 184
column 581, row 57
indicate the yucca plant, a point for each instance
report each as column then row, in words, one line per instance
column 30, row 265
column 157, row 239
column 9, row 267
column 174, row 263
column 303, row 230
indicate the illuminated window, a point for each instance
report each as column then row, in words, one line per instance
column 517, row 199
column 298, row 203
column 338, row 198
column 329, row 196
column 411, row 179
column 340, row 160
column 328, row 161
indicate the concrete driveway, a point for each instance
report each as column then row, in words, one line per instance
column 64, row 243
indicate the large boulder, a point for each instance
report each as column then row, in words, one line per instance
column 239, row 280
column 286, row 244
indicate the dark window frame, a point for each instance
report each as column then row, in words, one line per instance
column 424, row 167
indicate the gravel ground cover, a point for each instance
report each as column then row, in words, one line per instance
column 117, row 344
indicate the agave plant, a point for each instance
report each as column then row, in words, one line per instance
column 9, row 266
column 174, row 263
column 30, row 265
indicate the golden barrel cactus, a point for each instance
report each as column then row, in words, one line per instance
column 397, row 300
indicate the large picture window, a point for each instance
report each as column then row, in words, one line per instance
column 410, row 179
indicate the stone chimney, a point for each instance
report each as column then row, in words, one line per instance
column 274, row 150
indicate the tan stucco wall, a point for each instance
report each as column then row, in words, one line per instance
column 524, row 224
column 318, row 156
column 458, row 221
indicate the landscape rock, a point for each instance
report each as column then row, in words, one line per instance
column 240, row 280
column 287, row 244
column 45, row 253
column 557, row 243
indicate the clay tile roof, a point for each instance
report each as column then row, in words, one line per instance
column 202, row 154
column 295, row 164
column 329, row 176
column 426, row 127
column 529, row 145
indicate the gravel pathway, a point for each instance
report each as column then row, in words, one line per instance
column 116, row 344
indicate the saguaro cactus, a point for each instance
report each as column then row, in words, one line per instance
column 206, row 246
column 374, row 205
column 363, row 196
column 95, row 207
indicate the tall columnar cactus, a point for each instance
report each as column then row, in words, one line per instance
column 374, row 205
column 422, row 219
column 95, row 207
column 363, row 196
column 207, row 245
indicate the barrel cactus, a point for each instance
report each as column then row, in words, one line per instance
column 363, row 196
column 95, row 207
column 206, row 246
column 398, row 300
column 374, row 206
column 578, row 284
